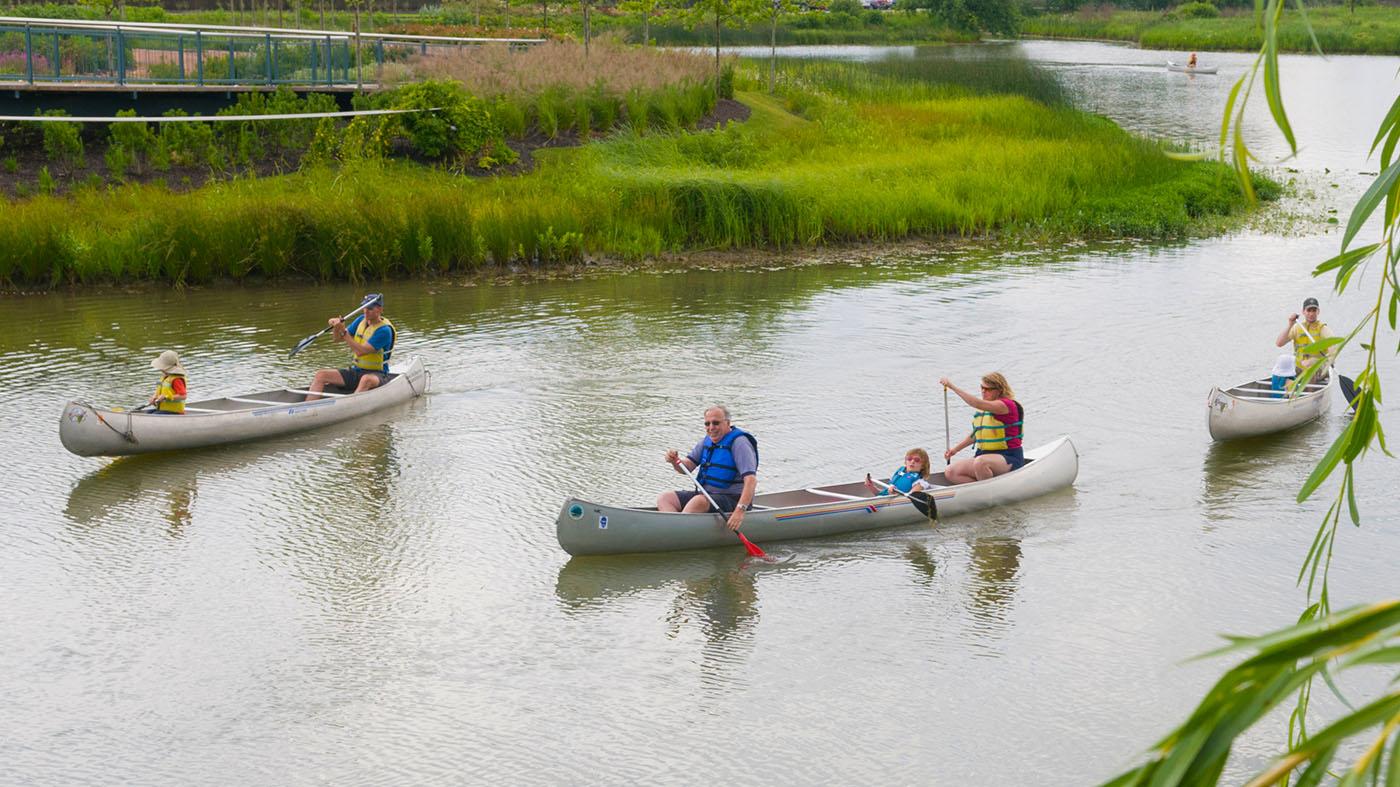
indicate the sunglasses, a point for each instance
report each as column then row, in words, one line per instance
column 714, row 423
column 913, row 460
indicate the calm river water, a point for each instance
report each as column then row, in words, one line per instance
column 385, row 602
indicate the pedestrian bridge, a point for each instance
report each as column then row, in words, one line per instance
column 87, row 55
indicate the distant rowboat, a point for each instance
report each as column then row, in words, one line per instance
column 586, row 528
column 1185, row 69
column 96, row 431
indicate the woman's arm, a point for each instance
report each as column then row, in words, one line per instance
column 993, row 405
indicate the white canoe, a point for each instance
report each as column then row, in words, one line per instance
column 586, row 528
column 93, row 431
column 1182, row 68
column 1253, row 408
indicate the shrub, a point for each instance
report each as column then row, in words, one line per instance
column 135, row 140
column 62, row 141
column 1197, row 10
column 189, row 143
column 46, row 182
column 118, row 160
column 461, row 125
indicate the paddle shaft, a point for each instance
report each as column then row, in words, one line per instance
column 932, row 512
column 719, row 512
column 301, row 345
column 947, row 432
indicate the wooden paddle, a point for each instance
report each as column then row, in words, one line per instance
column 947, row 433
column 719, row 512
column 304, row 343
column 1347, row 384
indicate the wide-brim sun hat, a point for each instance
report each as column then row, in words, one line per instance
column 168, row 362
column 1284, row 367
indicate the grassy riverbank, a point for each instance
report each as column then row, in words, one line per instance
column 1371, row 30
column 845, row 153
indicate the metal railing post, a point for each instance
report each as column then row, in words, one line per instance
column 29, row 54
column 315, row 48
column 267, row 56
column 199, row 56
column 330, row 62
column 121, row 57
column 57, row 58
column 232, row 75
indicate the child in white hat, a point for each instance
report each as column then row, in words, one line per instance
column 169, row 397
column 1283, row 374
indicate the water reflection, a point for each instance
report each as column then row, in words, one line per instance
column 996, row 565
column 1240, row 476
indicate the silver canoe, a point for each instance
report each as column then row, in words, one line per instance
column 586, row 528
column 1182, row 68
column 94, row 431
column 1254, row 408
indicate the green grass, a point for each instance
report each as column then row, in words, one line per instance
column 842, row 154
column 1373, row 30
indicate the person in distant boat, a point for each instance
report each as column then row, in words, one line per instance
column 1284, row 372
column 1191, row 61
column 904, row 478
column 996, row 432
column 169, row 398
column 370, row 337
column 1303, row 335
column 726, row 464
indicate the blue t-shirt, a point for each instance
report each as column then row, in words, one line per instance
column 744, row 458
column 382, row 339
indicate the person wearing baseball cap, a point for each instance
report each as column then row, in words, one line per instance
column 1305, row 334
column 169, row 398
column 370, row 337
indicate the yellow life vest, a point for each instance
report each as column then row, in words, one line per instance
column 990, row 434
column 1301, row 343
column 170, row 402
column 376, row 361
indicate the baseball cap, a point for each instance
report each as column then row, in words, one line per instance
column 1310, row 303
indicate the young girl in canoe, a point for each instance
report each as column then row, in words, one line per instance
column 169, row 398
column 996, row 432
column 914, row 469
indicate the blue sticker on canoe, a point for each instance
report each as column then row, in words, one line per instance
column 576, row 511
column 602, row 523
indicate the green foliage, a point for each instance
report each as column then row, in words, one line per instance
column 46, row 181
column 132, row 140
column 1197, row 10
column 187, row 143
column 458, row 124
column 118, row 161
column 848, row 7
column 63, row 142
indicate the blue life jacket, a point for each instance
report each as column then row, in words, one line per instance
column 717, row 469
column 902, row 479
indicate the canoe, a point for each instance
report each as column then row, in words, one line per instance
column 585, row 528
column 1182, row 68
column 1253, row 408
column 94, row 431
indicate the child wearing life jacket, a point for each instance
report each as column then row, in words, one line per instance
column 169, row 398
column 914, row 469
column 1283, row 374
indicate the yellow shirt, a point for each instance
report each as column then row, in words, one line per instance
column 1301, row 342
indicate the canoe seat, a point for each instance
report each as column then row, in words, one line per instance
column 258, row 401
column 836, row 495
column 312, row 393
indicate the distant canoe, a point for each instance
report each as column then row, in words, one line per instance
column 586, row 528
column 1253, row 408
column 95, row 431
column 1185, row 69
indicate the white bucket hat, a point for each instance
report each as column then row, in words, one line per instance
column 1284, row 367
column 168, row 362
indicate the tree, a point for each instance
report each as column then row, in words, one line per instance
column 1287, row 662
column 774, row 9
column 973, row 16
column 720, row 13
column 647, row 10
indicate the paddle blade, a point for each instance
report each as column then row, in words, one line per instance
column 925, row 504
column 1348, row 389
column 750, row 546
column 303, row 344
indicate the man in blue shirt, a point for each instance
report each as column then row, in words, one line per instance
column 726, row 461
column 371, row 338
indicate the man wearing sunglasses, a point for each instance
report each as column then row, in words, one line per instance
column 370, row 338
column 726, row 460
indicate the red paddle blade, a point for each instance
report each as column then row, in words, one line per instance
column 750, row 546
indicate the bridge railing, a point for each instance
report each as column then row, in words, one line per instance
column 40, row 51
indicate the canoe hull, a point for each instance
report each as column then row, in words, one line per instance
column 1232, row 417
column 1181, row 68
column 93, row 431
column 585, row 528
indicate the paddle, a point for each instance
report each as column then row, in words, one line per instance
column 926, row 504
column 304, row 343
column 1347, row 384
column 947, row 439
column 719, row 512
